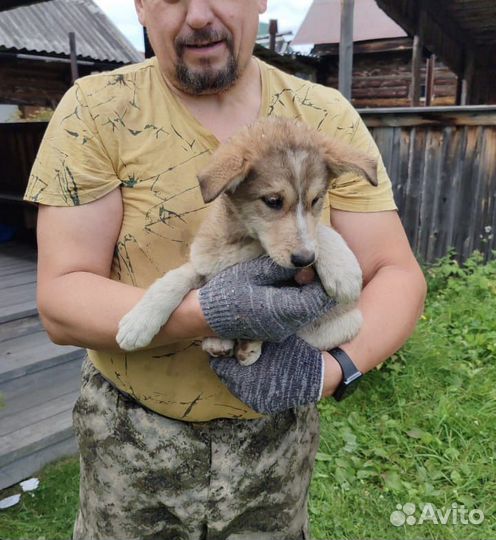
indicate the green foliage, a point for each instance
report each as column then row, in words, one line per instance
column 419, row 430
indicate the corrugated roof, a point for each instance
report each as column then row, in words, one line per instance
column 44, row 28
column 323, row 20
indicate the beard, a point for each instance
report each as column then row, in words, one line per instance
column 206, row 79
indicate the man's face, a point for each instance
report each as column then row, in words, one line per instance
column 202, row 45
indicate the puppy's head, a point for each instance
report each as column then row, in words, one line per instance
column 276, row 174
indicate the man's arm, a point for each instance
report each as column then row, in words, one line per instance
column 78, row 303
column 394, row 289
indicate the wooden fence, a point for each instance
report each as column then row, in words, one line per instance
column 442, row 162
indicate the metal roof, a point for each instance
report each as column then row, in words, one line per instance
column 322, row 23
column 44, row 28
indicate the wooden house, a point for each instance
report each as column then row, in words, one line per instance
column 35, row 49
column 460, row 32
column 382, row 57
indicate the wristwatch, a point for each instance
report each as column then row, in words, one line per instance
column 351, row 374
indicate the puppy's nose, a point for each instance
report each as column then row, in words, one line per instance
column 303, row 258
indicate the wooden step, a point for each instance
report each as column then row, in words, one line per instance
column 30, row 353
column 17, row 282
column 39, row 381
column 20, row 327
column 36, row 420
column 18, row 302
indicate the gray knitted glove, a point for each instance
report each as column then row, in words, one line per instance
column 287, row 375
column 259, row 300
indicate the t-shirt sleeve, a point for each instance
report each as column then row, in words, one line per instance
column 350, row 191
column 72, row 166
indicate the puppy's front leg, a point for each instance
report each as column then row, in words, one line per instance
column 337, row 267
column 139, row 326
column 338, row 326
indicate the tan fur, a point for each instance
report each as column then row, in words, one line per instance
column 274, row 158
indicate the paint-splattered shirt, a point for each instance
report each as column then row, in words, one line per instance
column 126, row 129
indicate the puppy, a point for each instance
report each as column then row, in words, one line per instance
column 269, row 183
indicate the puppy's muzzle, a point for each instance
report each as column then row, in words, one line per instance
column 303, row 258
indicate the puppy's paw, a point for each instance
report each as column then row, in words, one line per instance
column 344, row 288
column 247, row 352
column 137, row 329
column 218, row 347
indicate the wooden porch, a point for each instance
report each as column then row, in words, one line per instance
column 39, row 381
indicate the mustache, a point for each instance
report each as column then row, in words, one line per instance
column 199, row 37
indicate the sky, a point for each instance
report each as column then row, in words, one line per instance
column 289, row 13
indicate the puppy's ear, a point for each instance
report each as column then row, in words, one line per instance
column 226, row 170
column 341, row 158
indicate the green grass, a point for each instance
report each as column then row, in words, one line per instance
column 419, row 430
column 49, row 511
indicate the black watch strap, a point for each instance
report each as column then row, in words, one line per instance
column 351, row 374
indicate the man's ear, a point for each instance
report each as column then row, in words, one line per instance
column 341, row 158
column 140, row 11
column 226, row 170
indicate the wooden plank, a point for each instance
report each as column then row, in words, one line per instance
column 36, row 388
column 434, row 116
column 483, row 191
column 413, row 190
column 17, row 278
column 34, row 352
column 416, row 62
column 462, row 237
column 450, row 179
column 433, row 195
column 18, row 311
column 489, row 222
column 429, row 192
column 32, row 438
column 12, row 269
column 20, row 327
column 402, row 176
column 17, row 295
column 346, row 48
column 28, row 465
column 9, row 260
column 37, row 413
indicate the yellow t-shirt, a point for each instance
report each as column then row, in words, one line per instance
column 126, row 129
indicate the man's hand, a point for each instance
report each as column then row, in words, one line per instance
column 256, row 300
column 288, row 374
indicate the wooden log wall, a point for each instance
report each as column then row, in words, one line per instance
column 442, row 163
column 384, row 80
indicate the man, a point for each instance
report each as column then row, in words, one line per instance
column 167, row 450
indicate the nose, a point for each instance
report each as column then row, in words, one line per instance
column 199, row 14
column 303, row 258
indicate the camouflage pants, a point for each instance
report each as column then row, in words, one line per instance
column 145, row 476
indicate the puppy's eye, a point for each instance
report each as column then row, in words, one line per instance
column 273, row 202
column 317, row 199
